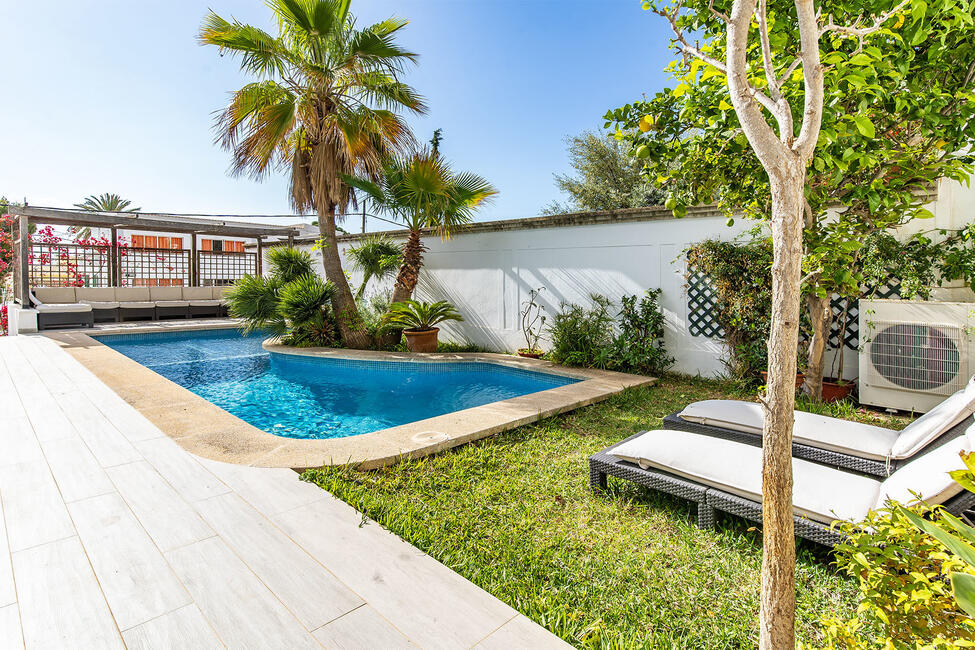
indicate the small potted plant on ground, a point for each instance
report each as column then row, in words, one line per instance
column 532, row 322
column 418, row 320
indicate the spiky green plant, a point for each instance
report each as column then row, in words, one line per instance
column 420, row 316
column 323, row 104
column 303, row 299
column 254, row 299
column 287, row 263
column 375, row 256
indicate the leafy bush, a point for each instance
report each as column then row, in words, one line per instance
column 579, row 334
column 590, row 336
column 905, row 593
column 293, row 301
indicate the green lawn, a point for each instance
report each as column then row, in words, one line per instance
column 625, row 568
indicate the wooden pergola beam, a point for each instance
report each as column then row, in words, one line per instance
column 151, row 222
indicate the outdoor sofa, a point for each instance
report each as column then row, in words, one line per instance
column 721, row 474
column 82, row 306
column 840, row 443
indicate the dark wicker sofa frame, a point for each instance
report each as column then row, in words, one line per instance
column 849, row 462
column 709, row 499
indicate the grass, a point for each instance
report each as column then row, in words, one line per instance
column 620, row 569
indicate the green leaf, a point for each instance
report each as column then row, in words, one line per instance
column 963, row 550
column 963, row 588
column 864, row 126
column 923, row 213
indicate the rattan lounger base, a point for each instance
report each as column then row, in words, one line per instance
column 709, row 500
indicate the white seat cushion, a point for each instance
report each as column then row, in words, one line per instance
column 100, row 305
column 172, row 303
column 56, row 295
column 924, row 430
column 136, row 304
column 132, row 294
column 197, row 293
column 205, row 303
column 95, row 294
column 855, row 438
column 927, row 475
column 820, row 493
column 63, row 308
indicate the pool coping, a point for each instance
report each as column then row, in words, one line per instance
column 207, row 430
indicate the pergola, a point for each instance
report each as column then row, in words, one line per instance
column 141, row 221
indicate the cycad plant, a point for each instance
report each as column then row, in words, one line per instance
column 292, row 301
column 422, row 191
column 376, row 257
column 420, row 316
column 323, row 107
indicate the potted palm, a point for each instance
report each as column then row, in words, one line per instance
column 418, row 321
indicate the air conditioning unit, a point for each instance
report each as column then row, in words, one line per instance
column 914, row 354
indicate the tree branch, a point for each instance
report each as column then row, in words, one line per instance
column 861, row 32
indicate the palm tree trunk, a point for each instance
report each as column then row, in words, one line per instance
column 409, row 272
column 354, row 335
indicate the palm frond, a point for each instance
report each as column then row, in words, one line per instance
column 261, row 54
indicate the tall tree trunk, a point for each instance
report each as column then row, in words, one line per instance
column 820, row 315
column 354, row 335
column 409, row 272
column 777, row 616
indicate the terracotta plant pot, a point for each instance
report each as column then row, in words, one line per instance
column 800, row 378
column 530, row 354
column 422, row 340
column 833, row 392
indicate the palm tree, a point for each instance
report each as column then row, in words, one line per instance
column 322, row 107
column 376, row 256
column 422, row 191
column 102, row 203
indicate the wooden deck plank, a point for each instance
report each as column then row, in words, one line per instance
column 11, row 636
column 285, row 568
column 183, row 471
column 362, row 628
column 33, row 510
column 135, row 578
column 522, row 632
column 181, row 629
column 17, row 440
column 107, row 444
column 244, row 613
column 61, row 605
column 7, row 592
column 168, row 519
column 269, row 490
column 77, row 473
column 429, row 603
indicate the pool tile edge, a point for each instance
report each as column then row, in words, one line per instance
column 206, row 430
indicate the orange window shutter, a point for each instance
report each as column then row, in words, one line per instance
column 138, row 241
column 150, row 241
column 206, row 244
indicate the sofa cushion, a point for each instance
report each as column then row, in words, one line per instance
column 58, row 295
column 136, row 304
column 820, row 493
column 927, row 475
column 197, row 293
column 844, row 436
column 95, row 294
column 55, row 308
column 217, row 293
column 165, row 293
column 206, row 303
column 171, row 303
column 924, row 430
column 100, row 305
column 132, row 294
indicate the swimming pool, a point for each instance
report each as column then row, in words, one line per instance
column 315, row 397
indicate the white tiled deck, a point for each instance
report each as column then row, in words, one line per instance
column 112, row 535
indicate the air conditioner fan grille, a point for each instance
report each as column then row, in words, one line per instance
column 918, row 357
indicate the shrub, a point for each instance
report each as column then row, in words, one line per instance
column 420, row 316
column 590, row 336
column 255, row 300
column 905, row 593
column 287, row 263
column 579, row 334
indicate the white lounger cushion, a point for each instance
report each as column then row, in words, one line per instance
column 864, row 440
column 63, row 308
column 821, row 493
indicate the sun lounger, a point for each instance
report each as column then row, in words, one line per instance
column 840, row 443
column 721, row 474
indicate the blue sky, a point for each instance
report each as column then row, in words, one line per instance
column 112, row 96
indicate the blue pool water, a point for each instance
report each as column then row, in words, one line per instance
column 314, row 397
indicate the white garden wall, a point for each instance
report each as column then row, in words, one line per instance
column 488, row 273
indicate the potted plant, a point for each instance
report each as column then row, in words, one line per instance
column 532, row 322
column 418, row 319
